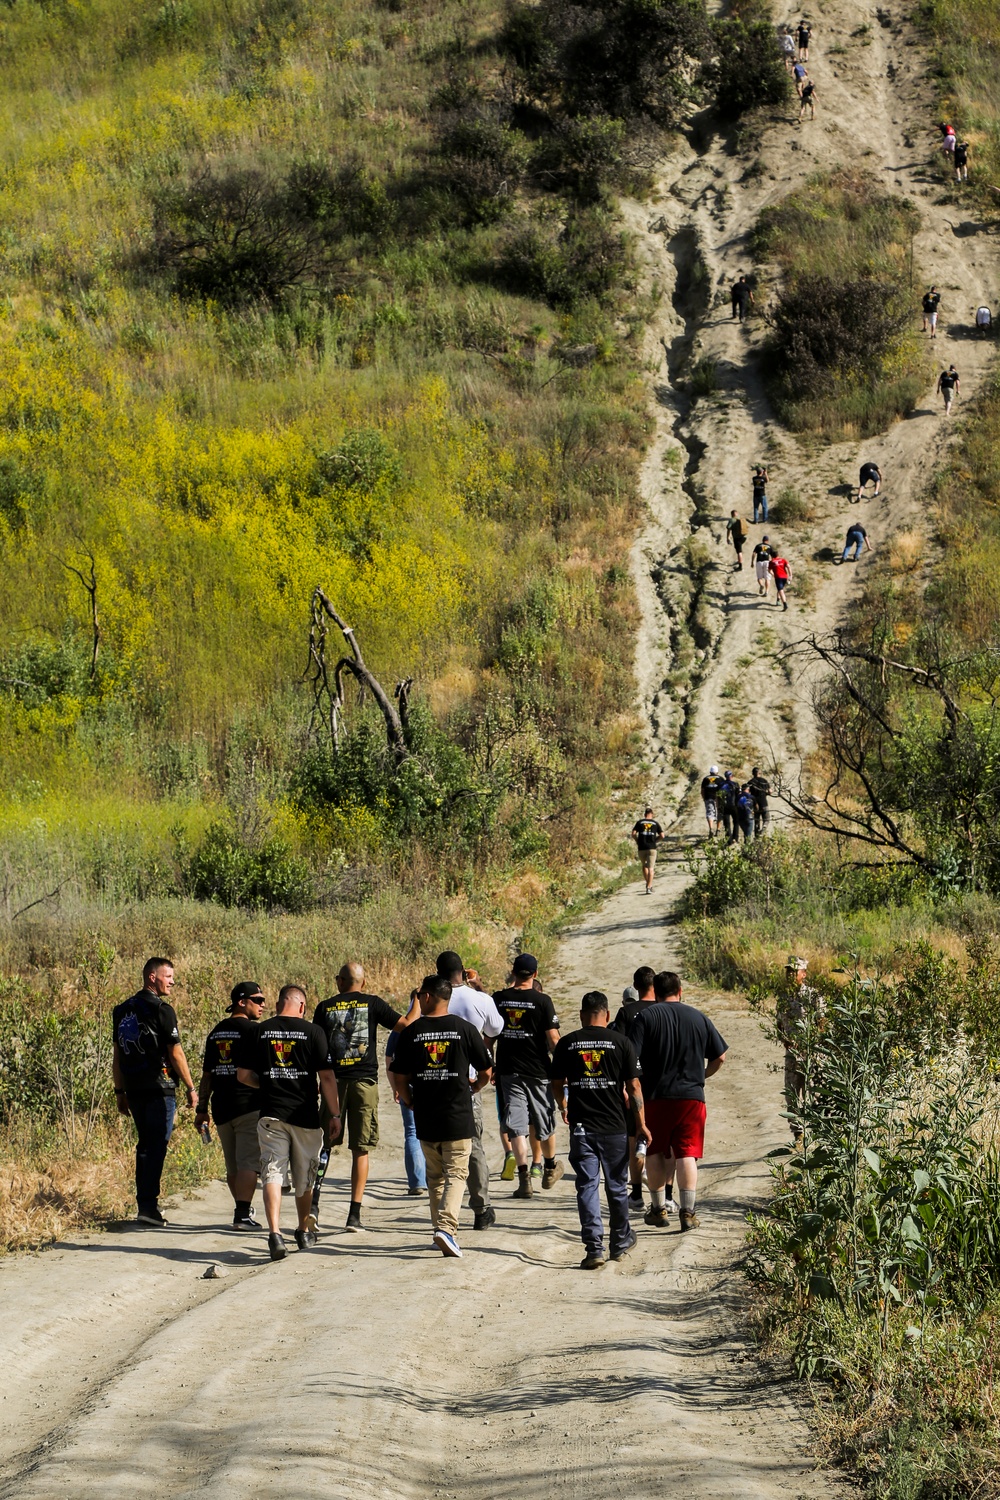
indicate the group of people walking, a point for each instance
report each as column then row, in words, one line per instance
column 282, row 1091
column 740, row 807
column 768, row 560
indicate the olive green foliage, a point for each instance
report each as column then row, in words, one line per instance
column 840, row 359
column 750, row 72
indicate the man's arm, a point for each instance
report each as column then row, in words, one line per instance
column 179, row 1063
column 204, row 1095
column 713, row 1067
column 634, row 1091
column 483, row 1076
column 119, row 1080
column 552, row 1037
column 328, row 1088
column 403, row 1086
column 413, row 1014
column 559, row 1096
column 248, row 1078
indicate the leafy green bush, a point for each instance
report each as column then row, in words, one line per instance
column 704, row 377
column 826, row 330
column 789, row 509
column 483, row 161
column 228, row 869
column 749, row 72
column 586, row 259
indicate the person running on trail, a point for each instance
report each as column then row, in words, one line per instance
column 782, row 571
column 146, row 1060
column 805, row 32
column 413, row 1158
column 808, row 98
column 870, row 474
column 647, row 835
column 678, row 1048
column 235, row 1107
column 736, row 532
column 758, row 482
column 948, row 386
column 741, row 297
column 350, row 1021
column 931, row 302
column 857, row 537
column 761, row 555
column 470, row 1001
column 759, row 789
column 640, row 992
column 742, row 816
column 711, row 792
column 599, row 1070
column 287, row 1058
column 961, row 161
column 787, row 44
column 800, row 73
column 434, row 1059
column 800, row 1007
column 530, row 1032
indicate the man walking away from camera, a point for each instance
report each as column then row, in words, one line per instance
column 474, row 1005
column 711, row 796
column 235, row 1107
column 530, row 1031
column 678, row 1049
column 147, row 1059
column 759, row 481
column 759, row 789
column 433, row 1060
column 741, row 297
column 736, row 532
column 287, row 1058
column 599, row 1069
column 647, row 835
column 350, row 1021
column 857, row 537
column 643, row 993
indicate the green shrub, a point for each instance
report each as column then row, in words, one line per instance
column 227, row 869
column 586, row 259
column 750, row 71
column 789, row 509
column 704, row 377
column 483, row 162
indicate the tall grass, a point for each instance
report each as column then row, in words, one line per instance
column 966, row 41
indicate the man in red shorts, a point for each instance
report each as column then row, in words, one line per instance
column 678, row 1049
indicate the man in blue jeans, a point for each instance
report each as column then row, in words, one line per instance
column 857, row 537
column 599, row 1069
column 413, row 1156
column 147, row 1059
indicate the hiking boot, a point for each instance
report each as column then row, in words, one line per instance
column 447, row 1244
column 524, row 1188
column 415, row 1192
column 655, row 1217
column 486, row 1219
column 553, row 1172
column 305, row 1239
column 276, row 1246
column 594, row 1260
column 623, row 1250
column 689, row 1219
column 509, row 1168
column 151, row 1216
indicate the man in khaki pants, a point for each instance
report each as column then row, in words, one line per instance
column 431, row 1070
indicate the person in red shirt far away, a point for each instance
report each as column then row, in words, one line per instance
column 781, row 569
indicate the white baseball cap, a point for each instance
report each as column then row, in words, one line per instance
column 713, row 770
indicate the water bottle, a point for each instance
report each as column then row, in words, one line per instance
column 640, row 1150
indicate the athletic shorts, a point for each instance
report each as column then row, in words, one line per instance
column 762, row 571
column 289, row 1150
column 240, row 1146
column 677, row 1126
column 358, row 1113
column 648, row 858
column 932, row 318
column 528, row 1101
column 711, row 809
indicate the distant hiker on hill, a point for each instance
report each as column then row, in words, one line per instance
column 870, row 474
column 961, row 161
column 800, row 73
column 736, row 532
column 984, row 321
column 762, row 554
column 948, row 386
column 742, row 816
column 948, row 141
column 805, row 32
column 759, row 789
column 781, row 569
column 741, row 297
column 808, row 96
column 787, row 44
column 930, row 305
column 647, row 835
column 711, row 791
column 857, row 537
column 727, row 802
column 759, row 483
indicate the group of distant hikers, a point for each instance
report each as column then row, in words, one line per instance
column 738, row 807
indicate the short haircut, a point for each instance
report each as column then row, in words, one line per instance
column 643, row 978
column 436, row 987
column 290, row 994
column 449, row 964
column 593, row 1003
column 667, row 984
column 649, row 809
column 151, row 965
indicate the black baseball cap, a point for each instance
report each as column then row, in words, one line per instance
column 525, row 963
column 248, row 990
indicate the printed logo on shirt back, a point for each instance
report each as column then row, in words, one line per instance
column 437, row 1053
column 514, row 1019
column 129, row 1032
column 282, row 1048
column 224, row 1047
column 592, row 1062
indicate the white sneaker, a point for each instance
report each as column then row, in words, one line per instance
column 670, row 1206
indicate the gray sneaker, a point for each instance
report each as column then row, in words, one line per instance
column 594, row 1260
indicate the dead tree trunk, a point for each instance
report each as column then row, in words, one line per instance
column 90, row 585
column 328, row 699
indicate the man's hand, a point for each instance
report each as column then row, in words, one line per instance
column 643, row 1132
column 192, row 1096
column 200, row 1118
column 121, row 1101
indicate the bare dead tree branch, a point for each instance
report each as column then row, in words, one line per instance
column 329, row 700
column 90, row 587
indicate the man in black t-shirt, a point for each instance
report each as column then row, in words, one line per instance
column 711, row 792
column 642, row 981
column 351, row 1020
column 288, row 1059
column 599, row 1069
column 759, row 789
column 647, row 835
column 147, row 1058
column 431, row 1069
column 235, row 1109
column 530, row 1030
column 678, row 1049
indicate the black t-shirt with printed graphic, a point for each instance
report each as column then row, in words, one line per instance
column 648, row 833
column 230, row 1098
column 286, row 1053
column 144, row 1026
column 673, row 1041
column 596, row 1064
column 435, row 1054
column 522, row 1048
column 351, row 1023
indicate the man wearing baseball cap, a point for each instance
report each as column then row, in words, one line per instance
column 530, row 1033
column 234, row 1106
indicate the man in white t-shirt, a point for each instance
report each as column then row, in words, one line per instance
column 477, row 1007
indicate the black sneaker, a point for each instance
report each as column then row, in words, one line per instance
column 635, row 1199
column 623, row 1250
column 354, row 1224
column 247, row 1222
column 276, row 1246
column 594, row 1260
column 151, row 1216
column 486, row 1219
column 305, row 1239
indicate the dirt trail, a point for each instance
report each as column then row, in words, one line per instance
column 373, row 1367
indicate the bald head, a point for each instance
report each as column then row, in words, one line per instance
column 291, row 1001
column 351, row 977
